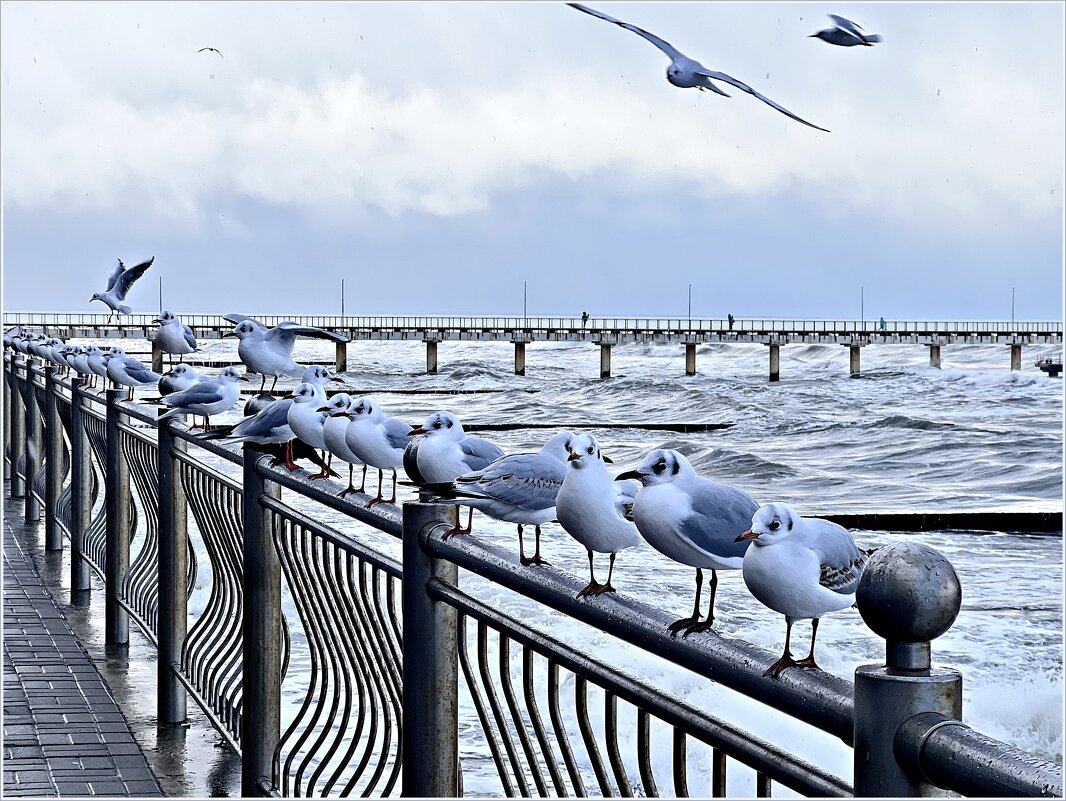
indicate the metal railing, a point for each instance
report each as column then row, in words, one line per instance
column 397, row 680
column 650, row 324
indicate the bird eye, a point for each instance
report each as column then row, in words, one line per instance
column 775, row 525
column 437, row 424
column 591, row 449
column 659, row 467
column 359, row 409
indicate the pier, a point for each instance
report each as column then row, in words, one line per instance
column 606, row 332
column 147, row 507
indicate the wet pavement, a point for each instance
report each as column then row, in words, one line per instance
column 79, row 716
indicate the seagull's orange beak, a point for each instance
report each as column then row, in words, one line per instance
column 415, row 431
column 747, row 535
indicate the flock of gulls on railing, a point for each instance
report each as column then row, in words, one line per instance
column 800, row 567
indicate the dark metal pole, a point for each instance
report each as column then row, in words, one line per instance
column 9, row 387
column 18, row 429
column 53, row 460
column 261, row 720
column 430, row 679
column 173, row 572
column 117, row 487
column 33, row 444
column 81, row 477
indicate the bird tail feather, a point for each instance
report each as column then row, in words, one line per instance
column 872, row 38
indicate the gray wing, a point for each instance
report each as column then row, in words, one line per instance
column 115, row 273
column 842, row 561
column 138, row 372
column 847, row 25
column 721, row 76
column 396, row 433
column 289, row 331
column 204, row 392
column 190, row 338
column 662, row 44
column 126, row 279
column 480, row 452
column 240, row 318
column 273, row 416
column 719, row 513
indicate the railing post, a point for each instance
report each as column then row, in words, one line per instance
column 909, row 594
column 18, row 430
column 173, row 578
column 430, row 665
column 261, row 716
column 53, row 460
column 117, row 548
column 33, row 444
column 81, row 477
column 9, row 387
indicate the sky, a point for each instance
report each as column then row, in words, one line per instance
column 439, row 156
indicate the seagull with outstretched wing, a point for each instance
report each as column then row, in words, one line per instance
column 122, row 278
column 846, row 33
column 212, row 49
column 687, row 73
column 268, row 351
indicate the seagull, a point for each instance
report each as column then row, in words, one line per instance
column 306, row 421
column 446, row 452
column 122, row 278
column 686, row 73
column 173, row 336
column 80, row 361
column 333, row 433
column 212, row 49
column 800, row 567
column 128, row 371
column 377, row 440
column 691, row 520
column 97, row 360
column 594, row 510
column 205, row 398
column 179, row 377
column 845, row 34
column 519, row 488
column 268, row 351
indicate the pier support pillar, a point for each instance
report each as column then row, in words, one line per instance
column 775, row 362
column 853, row 362
column 1015, row 357
column 342, row 357
column 605, row 360
column 690, row 358
column 519, row 358
column 431, row 356
column 157, row 357
column 934, row 356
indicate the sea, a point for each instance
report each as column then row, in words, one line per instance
column 902, row 437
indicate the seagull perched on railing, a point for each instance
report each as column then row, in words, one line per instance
column 205, row 398
column 333, row 434
column 519, row 488
column 691, row 520
column 268, row 351
column 122, row 278
column 173, row 336
column 845, row 34
column 687, row 73
column 594, row 509
column 128, row 371
column 377, row 440
column 802, row 568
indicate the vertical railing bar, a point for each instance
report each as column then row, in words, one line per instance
column 53, row 461
column 117, row 545
column 171, row 575
column 561, row 735
column 497, row 710
column 591, row 746
column 33, row 444
column 718, row 773
column 647, row 776
column 680, row 763
column 533, row 763
column 538, row 724
column 479, row 706
column 81, row 476
column 610, row 713
column 762, row 785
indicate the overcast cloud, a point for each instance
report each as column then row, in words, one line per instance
column 437, row 155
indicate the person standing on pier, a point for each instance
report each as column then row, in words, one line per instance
column 731, row 319
column 584, row 318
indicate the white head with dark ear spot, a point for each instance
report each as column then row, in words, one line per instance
column 443, row 424
column 167, row 316
column 231, row 374
column 115, row 350
column 559, row 446
column 661, row 466
column 304, row 393
column 773, row 522
column 338, row 405
column 245, row 328
column 584, row 451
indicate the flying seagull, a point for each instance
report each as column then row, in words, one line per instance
column 212, row 49
column 845, row 34
column 122, row 278
column 686, row 73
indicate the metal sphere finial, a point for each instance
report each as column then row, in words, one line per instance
column 909, row 593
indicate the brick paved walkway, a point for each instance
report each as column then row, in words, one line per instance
column 63, row 734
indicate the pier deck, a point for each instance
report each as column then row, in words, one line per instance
column 63, row 732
